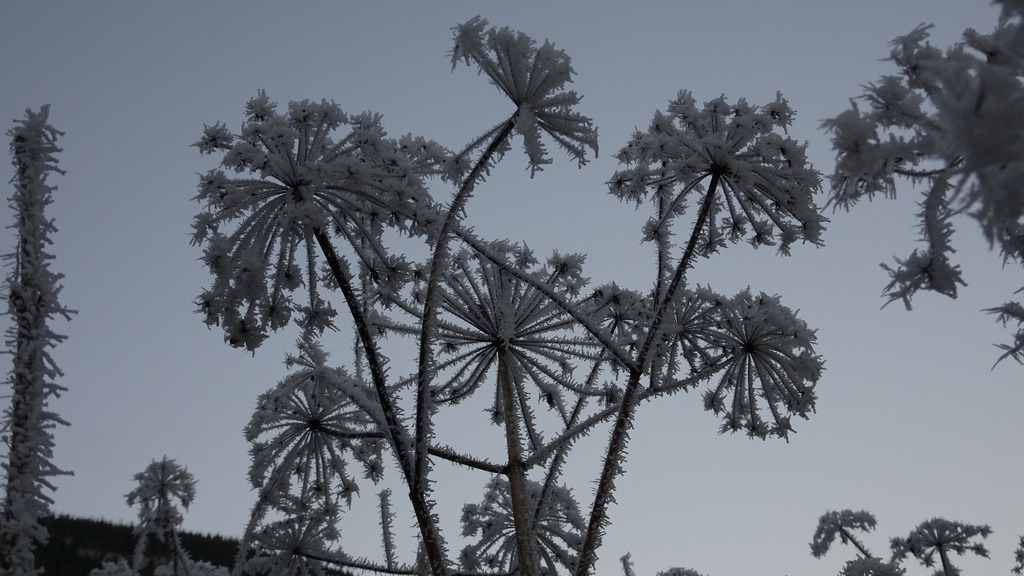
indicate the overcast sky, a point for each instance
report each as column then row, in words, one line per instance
column 913, row 421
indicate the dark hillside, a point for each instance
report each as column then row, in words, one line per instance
column 78, row 545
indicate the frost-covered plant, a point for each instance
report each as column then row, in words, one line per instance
column 303, row 432
column 119, row 568
column 294, row 546
column 933, row 538
column 941, row 537
column 558, row 529
column 841, row 524
column 730, row 164
column 161, row 491
column 262, row 233
column 871, row 567
column 952, row 122
column 192, row 568
column 295, row 221
column 32, row 302
column 533, row 78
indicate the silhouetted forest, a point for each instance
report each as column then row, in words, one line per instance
column 78, row 545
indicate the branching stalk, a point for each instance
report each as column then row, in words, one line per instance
column 624, row 420
column 429, row 531
column 521, row 516
column 424, row 405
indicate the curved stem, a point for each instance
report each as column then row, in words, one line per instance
column 258, row 511
column 399, row 437
column 424, row 405
column 616, row 451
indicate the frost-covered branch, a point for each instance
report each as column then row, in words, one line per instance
column 32, row 302
column 951, row 121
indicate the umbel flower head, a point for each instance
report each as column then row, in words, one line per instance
column 841, row 524
column 295, row 178
column 304, row 429
column 560, row 529
column 486, row 311
column 295, row 546
column 761, row 182
column 533, row 78
column 770, row 366
column 941, row 537
column 157, row 489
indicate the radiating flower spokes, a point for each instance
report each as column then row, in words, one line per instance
column 939, row 537
column 770, row 365
column 295, row 546
column 295, row 181
column 765, row 184
column 486, row 311
column 160, row 489
column 690, row 349
column 305, row 428
column 559, row 529
column 841, row 524
column 533, row 78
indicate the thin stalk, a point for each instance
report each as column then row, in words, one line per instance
column 439, row 255
column 947, row 566
column 624, row 420
column 864, row 552
column 429, row 530
column 446, row 453
column 521, row 518
column 258, row 511
column 387, row 532
column 555, row 467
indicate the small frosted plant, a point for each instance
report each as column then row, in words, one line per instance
column 295, row 226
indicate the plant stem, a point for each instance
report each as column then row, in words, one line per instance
column 439, row 255
column 429, row 530
column 522, row 519
column 947, row 567
column 864, row 552
column 616, row 451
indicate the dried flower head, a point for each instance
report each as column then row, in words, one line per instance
column 559, row 526
column 770, row 366
column 304, row 430
column 298, row 178
column 533, row 78
column 761, row 182
column 486, row 311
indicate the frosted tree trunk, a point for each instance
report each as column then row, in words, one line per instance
column 32, row 302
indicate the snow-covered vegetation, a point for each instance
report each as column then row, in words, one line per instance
column 318, row 219
column 32, row 291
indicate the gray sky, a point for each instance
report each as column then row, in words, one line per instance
column 913, row 421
